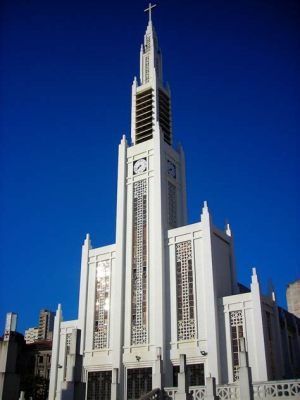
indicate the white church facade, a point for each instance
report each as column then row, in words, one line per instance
column 164, row 288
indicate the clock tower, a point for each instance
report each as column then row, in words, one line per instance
column 151, row 200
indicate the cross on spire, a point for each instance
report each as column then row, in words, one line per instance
column 149, row 9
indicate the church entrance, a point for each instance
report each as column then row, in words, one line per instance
column 99, row 385
column 139, row 382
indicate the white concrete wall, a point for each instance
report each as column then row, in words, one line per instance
column 59, row 355
column 254, row 334
column 221, row 250
column 206, row 315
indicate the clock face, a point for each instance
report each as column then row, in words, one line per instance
column 140, row 166
column 171, row 168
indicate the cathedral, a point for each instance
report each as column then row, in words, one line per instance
column 165, row 288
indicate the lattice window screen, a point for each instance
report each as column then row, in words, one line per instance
column 237, row 332
column 172, row 214
column 185, row 291
column 148, row 43
column 146, row 59
column 139, row 264
column 102, row 304
column 147, row 69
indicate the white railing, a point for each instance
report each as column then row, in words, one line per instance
column 273, row 389
column 170, row 392
column 198, row 392
column 285, row 390
column 228, row 392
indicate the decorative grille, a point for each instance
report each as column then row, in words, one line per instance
column 228, row 392
column 172, row 205
column 147, row 69
column 139, row 264
column 148, row 43
column 102, row 305
column 147, row 49
column 283, row 389
column 185, row 291
column 198, row 392
column 237, row 332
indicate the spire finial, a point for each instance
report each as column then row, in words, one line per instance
column 227, row 229
column 149, row 9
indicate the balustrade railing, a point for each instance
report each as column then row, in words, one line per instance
column 228, row 392
column 170, row 392
column 197, row 392
column 288, row 389
column 285, row 390
column 273, row 389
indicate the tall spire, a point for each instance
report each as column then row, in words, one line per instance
column 151, row 103
column 150, row 58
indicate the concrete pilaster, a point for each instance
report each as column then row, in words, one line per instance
column 55, row 354
column 182, row 392
column 210, row 388
column 211, row 307
column 84, row 278
column 260, row 347
column 73, row 388
column 157, row 371
column 244, row 373
column 279, row 351
column 114, row 384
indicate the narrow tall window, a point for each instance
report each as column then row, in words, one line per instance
column 172, row 215
column 139, row 382
column 237, row 332
column 139, row 264
column 185, row 291
column 99, row 385
column 270, row 346
column 102, row 305
column 290, row 340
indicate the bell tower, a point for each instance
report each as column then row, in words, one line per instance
column 151, row 199
column 151, row 102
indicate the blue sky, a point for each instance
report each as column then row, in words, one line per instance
column 66, row 75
